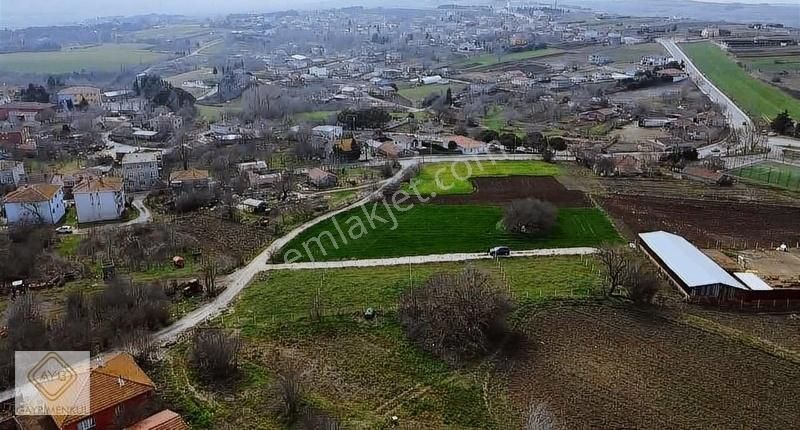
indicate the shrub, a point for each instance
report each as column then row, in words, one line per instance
column 456, row 316
column 642, row 284
column 215, row 353
column 530, row 216
column 289, row 393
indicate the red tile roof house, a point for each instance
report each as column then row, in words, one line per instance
column 467, row 145
column 321, row 178
column 116, row 386
column 164, row 420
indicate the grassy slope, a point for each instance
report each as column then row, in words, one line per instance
column 441, row 229
column 104, row 58
column 756, row 97
column 375, row 371
column 426, row 182
column 774, row 64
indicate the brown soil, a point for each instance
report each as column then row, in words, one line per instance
column 709, row 223
column 503, row 190
column 606, row 367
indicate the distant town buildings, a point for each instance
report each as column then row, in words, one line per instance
column 74, row 96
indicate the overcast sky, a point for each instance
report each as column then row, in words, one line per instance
column 22, row 13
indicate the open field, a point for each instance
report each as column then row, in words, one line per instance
column 454, row 178
column 500, row 191
column 213, row 113
column 361, row 372
column 705, row 222
column 605, row 367
column 419, row 93
column 171, row 32
column 316, row 116
column 756, row 97
column 773, row 64
column 101, row 58
column 493, row 59
column 439, row 229
column 771, row 173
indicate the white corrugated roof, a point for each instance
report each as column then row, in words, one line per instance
column 693, row 267
column 752, row 281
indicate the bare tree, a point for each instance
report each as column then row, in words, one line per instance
column 642, row 283
column 456, row 316
column 289, row 394
column 747, row 140
column 209, row 269
column 530, row 216
column 215, row 352
column 615, row 265
column 539, row 417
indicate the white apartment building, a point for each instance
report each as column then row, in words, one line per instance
column 99, row 199
column 11, row 172
column 140, row 170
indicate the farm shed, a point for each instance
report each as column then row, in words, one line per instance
column 687, row 266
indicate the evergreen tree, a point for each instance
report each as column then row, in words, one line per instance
column 448, row 98
column 782, row 123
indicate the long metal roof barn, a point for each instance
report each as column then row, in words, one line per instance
column 688, row 263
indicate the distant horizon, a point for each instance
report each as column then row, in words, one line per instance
column 37, row 13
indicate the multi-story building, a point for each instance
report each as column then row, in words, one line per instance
column 37, row 203
column 140, row 170
column 99, row 199
column 11, row 172
column 75, row 95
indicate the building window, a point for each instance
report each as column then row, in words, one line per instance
column 86, row 424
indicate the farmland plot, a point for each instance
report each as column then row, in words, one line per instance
column 601, row 367
column 705, row 222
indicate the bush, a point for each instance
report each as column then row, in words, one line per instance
column 456, row 316
column 215, row 353
column 642, row 284
column 289, row 394
column 547, row 155
column 530, row 216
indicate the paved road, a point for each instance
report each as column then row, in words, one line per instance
column 735, row 115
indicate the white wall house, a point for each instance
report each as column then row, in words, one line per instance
column 37, row 203
column 99, row 199
column 140, row 171
column 11, row 172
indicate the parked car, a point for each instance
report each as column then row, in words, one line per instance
column 500, row 251
column 65, row 229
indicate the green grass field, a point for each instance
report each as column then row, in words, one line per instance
column 493, row 59
column 454, row 178
column 102, row 58
column 359, row 371
column 215, row 113
column 759, row 99
column 417, row 94
column 316, row 116
column 773, row 64
column 437, row 229
column 171, row 32
column 771, row 173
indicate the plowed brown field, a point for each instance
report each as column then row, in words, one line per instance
column 705, row 222
column 600, row 367
column 506, row 189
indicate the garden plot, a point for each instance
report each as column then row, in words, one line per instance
column 500, row 191
column 601, row 367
